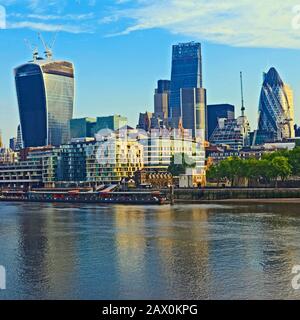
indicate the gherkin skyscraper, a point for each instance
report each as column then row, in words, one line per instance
column 276, row 109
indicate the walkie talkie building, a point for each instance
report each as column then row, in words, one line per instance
column 45, row 90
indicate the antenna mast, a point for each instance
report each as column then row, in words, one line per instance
column 242, row 95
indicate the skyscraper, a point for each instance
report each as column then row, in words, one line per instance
column 161, row 99
column 276, row 109
column 45, row 90
column 186, row 73
column 193, row 102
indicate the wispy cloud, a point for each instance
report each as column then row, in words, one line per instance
column 47, row 27
column 50, row 15
column 245, row 23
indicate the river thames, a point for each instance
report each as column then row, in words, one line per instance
column 228, row 251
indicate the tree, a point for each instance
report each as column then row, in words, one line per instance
column 214, row 173
column 294, row 160
column 279, row 164
column 281, row 168
column 179, row 163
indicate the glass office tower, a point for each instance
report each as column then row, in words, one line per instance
column 45, row 90
column 276, row 109
column 193, row 102
column 186, row 73
column 161, row 99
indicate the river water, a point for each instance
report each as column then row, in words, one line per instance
column 56, row 251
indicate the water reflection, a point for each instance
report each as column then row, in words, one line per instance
column 120, row 252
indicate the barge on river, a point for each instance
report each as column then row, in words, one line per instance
column 75, row 196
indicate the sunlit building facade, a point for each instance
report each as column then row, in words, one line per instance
column 234, row 133
column 276, row 109
column 193, row 102
column 45, row 90
column 160, row 146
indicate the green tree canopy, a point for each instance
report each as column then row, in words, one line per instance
column 179, row 163
column 280, row 164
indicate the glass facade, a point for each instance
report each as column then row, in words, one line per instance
column 82, row 128
column 158, row 152
column 186, row 73
column 276, row 108
column 45, row 91
column 216, row 112
column 111, row 123
column 193, row 102
column 161, row 99
column 233, row 133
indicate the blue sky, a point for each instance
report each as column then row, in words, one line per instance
column 120, row 48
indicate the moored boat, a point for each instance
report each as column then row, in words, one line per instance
column 75, row 196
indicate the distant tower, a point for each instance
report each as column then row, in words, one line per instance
column 188, row 97
column 19, row 143
column 276, row 109
column 243, row 120
column 162, row 98
column 231, row 132
column 1, row 142
column 45, row 90
column 242, row 95
column 186, row 73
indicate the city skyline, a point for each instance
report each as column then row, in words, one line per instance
column 147, row 50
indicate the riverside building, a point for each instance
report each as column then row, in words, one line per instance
column 107, row 160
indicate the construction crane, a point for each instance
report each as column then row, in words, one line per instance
column 242, row 95
column 33, row 50
column 48, row 49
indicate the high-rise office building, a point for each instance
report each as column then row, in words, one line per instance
column 45, row 90
column 193, row 102
column 186, row 73
column 276, row 110
column 187, row 97
column 161, row 99
column 112, row 123
column 216, row 112
column 82, row 128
